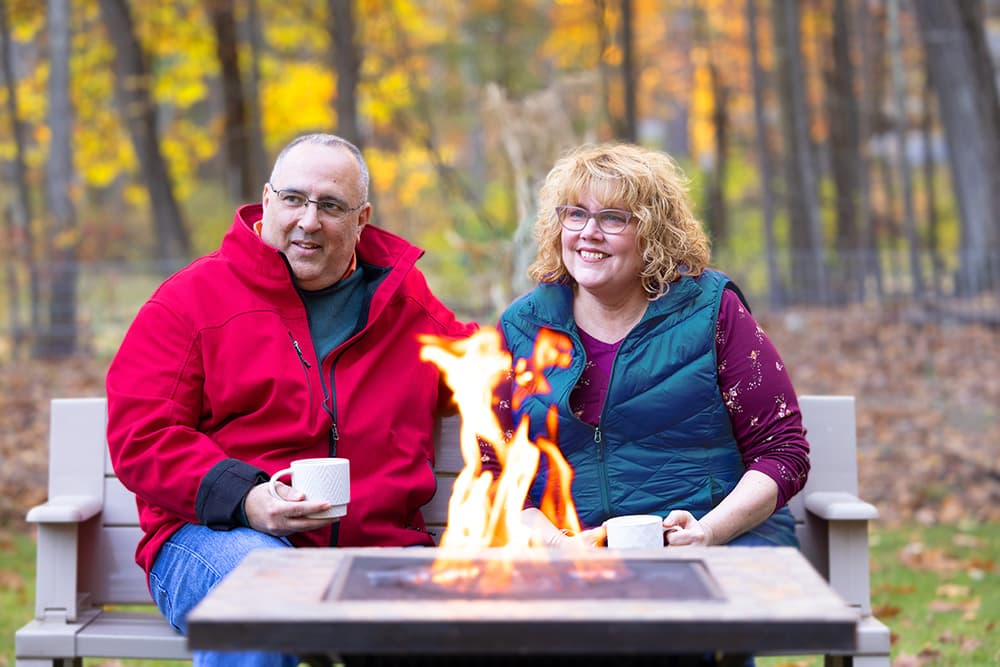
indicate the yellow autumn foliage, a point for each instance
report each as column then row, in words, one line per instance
column 187, row 146
column 386, row 96
column 299, row 100
column 701, row 128
column 102, row 150
column 25, row 25
column 182, row 85
column 382, row 165
column 33, row 95
column 136, row 195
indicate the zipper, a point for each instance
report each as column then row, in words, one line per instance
column 598, row 434
column 330, row 395
column 305, row 367
column 298, row 351
column 334, row 437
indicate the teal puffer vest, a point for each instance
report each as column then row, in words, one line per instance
column 664, row 440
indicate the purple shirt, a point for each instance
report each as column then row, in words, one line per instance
column 754, row 384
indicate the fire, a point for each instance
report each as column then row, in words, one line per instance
column 483, row 511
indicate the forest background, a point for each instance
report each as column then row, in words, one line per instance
column 844, row 156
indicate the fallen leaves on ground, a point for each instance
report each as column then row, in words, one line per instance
column 928, row 405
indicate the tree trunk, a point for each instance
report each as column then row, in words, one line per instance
column 239, row 178
column 905, row 173
column 764, row 161
column 607, row 89
column 805, row 230
column 18, row 213
column 60, row 336
column 261, row 170
column 930, row 186
column 715, row 196
column 987, row 98
column 845, row 151
column 347, row 63
column 630, row 131
column 132, row 81
column 971, row 138
column 869, row 34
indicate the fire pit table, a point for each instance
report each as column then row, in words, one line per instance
column 397, row 606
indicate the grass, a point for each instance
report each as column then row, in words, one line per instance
column 937, row 588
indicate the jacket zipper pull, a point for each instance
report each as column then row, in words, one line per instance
column 597, row 434
column 298, row 351
column 334, row 437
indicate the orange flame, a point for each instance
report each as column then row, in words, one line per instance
column 484, row 512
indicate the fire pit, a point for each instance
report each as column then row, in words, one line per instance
column 380, row 578
column 385, row 603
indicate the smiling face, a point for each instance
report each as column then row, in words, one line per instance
column 604, row 265
column 319, row 249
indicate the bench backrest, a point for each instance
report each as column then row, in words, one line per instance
column 79, row 464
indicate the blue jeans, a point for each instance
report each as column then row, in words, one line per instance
column 189, row 565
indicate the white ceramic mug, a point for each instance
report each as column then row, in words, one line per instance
column 326, row 479
column 635, row 531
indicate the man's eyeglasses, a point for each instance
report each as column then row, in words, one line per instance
column 328, row 208
column 609, row 220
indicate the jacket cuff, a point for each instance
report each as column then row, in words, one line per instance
column 219, row 503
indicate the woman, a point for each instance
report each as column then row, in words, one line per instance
column 675, row 402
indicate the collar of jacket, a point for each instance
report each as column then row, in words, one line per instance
column 552, row 303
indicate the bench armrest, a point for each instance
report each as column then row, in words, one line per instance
column 839, row 506
column 57, row 590
column 839, row 523
column 65, row 509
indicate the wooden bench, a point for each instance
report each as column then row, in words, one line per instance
column 88, row 529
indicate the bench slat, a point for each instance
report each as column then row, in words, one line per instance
column 119, row 504
column 130, row 634
column 109, row 571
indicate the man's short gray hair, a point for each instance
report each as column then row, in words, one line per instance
column 322, row 139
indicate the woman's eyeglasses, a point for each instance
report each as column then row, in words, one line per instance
column 609, row 220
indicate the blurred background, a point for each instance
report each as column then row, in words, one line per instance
column 844, row 156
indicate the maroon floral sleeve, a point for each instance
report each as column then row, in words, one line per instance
column 761, row 400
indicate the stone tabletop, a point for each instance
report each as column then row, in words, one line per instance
column 737, row 599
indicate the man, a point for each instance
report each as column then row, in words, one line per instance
column 297, row 338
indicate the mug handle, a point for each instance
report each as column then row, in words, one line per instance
column 274, row 478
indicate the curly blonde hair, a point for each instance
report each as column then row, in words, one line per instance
column 646, row 182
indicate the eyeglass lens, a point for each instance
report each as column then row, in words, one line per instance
column 610, row 220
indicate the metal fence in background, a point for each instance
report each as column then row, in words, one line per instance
column 944, row 288
column 110, row 293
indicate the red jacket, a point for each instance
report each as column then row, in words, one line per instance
column 216, row 386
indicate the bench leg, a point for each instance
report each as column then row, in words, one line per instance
column 871, row 661
column 856, row 661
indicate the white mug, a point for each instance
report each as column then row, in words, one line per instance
column 635, row 531
column 326, row 479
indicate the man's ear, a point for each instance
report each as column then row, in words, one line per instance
column 364, row 216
